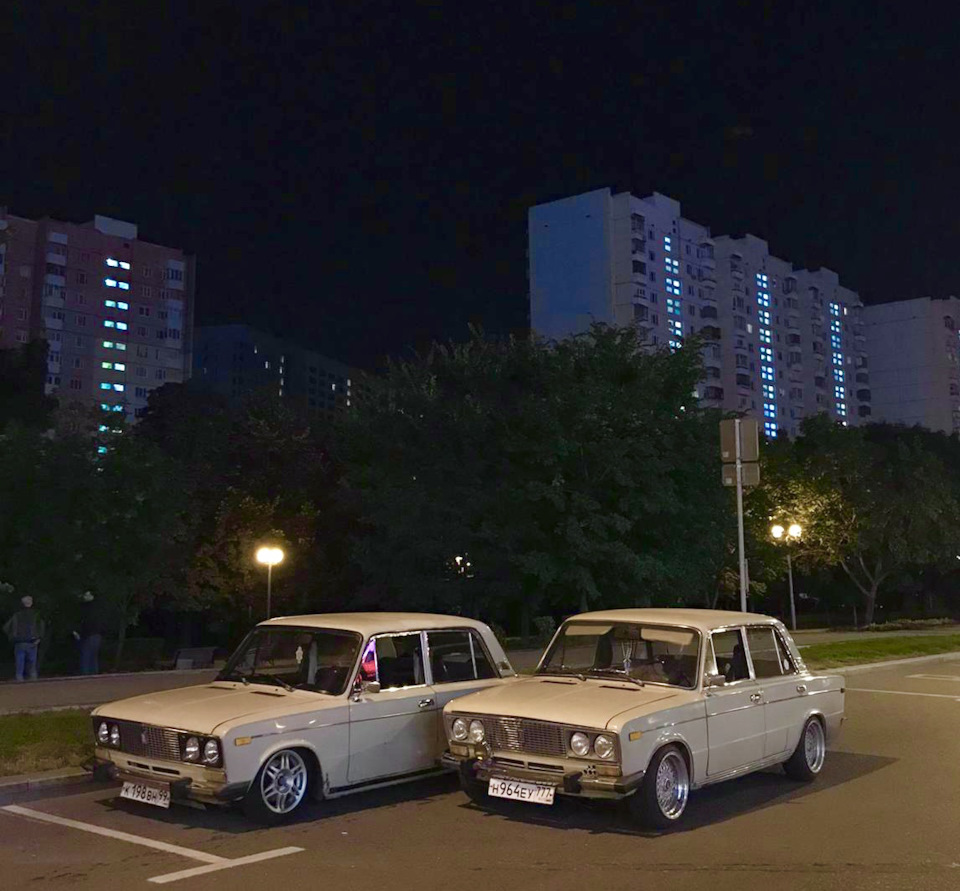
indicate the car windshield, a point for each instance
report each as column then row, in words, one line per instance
column 653, row 654
column 317, row 659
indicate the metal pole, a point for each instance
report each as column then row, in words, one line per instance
column 743, row 572
column 269, row 574
column 793, row 608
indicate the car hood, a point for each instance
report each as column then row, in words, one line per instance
column 594, row 703
column 203, row 708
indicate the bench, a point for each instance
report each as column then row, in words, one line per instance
column 193, row 657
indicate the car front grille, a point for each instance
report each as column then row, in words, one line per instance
column 148, row 741
column 520, row 735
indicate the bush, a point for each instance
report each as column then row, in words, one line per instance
column 545, row 626
column 909, row 624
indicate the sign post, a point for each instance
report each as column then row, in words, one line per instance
column 740, row 441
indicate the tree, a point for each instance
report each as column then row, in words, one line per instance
column 576, row 473
column 23, row 374
column 873, row 499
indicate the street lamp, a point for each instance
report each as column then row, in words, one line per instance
column 269, row 557
column 791, row 534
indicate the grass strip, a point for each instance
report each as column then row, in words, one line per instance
column 44, row 741
column 854, row 652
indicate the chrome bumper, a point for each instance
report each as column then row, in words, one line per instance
column 572, row 783
column 187, row 782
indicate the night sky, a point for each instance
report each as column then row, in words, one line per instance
column 357, row 174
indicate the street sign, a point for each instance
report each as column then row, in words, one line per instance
column 749, row 440
column 751, row 474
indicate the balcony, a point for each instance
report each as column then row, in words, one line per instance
column 710, row 332
column 862, row 377
column 713, row 394
column 707, row 280
column 57, row 302
column 708, row 312
column 863, row 395
column 711, row 372
column 864, row 411
column 820, row 383
column 744, row 381
column 638, row 245
column 52, row 323
column 736, row 272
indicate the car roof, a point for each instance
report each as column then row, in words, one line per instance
column 701, row 619
column 376, row 623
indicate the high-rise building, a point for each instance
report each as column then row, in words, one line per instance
column 914, row 368
column 235, row 360
column 780, row 343
column 116, row 311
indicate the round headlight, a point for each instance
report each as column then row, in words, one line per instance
column 103, row 733
column 580, row 744
column 604, row 747
column 211, row 751
column 191, row 749
column 476, row 732
column 114, row 735
column 459, row 729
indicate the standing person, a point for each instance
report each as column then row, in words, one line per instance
column 25, row 629
column 89, row 635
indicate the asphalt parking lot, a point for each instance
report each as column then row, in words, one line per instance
column 883, row 814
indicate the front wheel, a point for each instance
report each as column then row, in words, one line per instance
column 661, row 800
column 808, row 757
column 279, row 789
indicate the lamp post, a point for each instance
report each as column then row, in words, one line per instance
column 791, row 534
column 269, row 557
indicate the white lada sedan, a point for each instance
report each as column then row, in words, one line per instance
column 647, row 704
column 318, row 705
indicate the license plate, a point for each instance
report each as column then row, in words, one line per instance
column 157, row 794
column 521, row 791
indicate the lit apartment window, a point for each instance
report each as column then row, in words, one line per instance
column 675, row 326
column 766, row 373
column 673, row 286
column 770, row 428
column 835, row 341
column 835, row 309
column 111, row 304
column 838, row 374
column 838, row 392
column 769, row 410
column 123, row 306
column 671, row 266
column 667, row 243
column 765, row 335
column 769, row 391
column 763, row 298
column 835, row 326
column 113, row 264
column 838, row 358
column 673, row 306
column 110, row 282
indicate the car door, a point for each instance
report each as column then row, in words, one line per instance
column 735, row 728
column 393, row 731
column 782, row 693
column 459, row 664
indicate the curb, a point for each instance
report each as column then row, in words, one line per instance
column 63, row 776
column 889, row 663
column 39, row 710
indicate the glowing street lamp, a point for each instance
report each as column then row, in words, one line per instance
column 269, row 557
column 791, row 534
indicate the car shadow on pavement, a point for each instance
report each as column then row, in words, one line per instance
column 707, row 807
column 232, row 819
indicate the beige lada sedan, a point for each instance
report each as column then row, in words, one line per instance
column 308, row 706
column 647, row 704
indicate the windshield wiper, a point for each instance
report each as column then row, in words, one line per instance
column 265, row 679
column 563, row 674
column 618, row 674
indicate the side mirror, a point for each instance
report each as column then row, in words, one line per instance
column 714, row 680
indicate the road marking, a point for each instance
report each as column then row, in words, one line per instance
column 904, row 693
column 227, row 864
column 212, row 863
column 936, row 677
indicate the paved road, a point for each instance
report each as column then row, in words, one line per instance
column 883, row 815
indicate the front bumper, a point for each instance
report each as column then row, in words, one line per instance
column 570, row 778
column 188, row 782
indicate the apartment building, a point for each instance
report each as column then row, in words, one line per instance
column 235, row 360
column 780, row 343
column 116, row 311
column 914, row 362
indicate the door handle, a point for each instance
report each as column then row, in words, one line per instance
column 755, row 697
column 801, row 688
column 425, row 703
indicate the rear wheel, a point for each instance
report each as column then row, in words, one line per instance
column 808, row 757
column 661, row 800
column 280, row 788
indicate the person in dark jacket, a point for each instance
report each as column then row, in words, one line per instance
column 25, row 629
column 89, row 634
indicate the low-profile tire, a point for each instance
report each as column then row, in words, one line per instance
column 280, row 788
column 808, row 757
column 661, row 800
column 475, row 789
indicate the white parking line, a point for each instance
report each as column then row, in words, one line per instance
column 904, row 693
column 212, row 862
column 936, row 677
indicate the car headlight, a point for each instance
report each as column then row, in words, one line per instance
column 103, row 733
column 211, row 751
column 191, row 749
column 459, row 729
column 580, row 744
column 114, row 735
column 476, row 732
column 604, row 747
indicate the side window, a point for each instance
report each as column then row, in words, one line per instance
column 764, row 653
column 458, row 656
column 399, row 661
column 730, row 655
column 786, row 660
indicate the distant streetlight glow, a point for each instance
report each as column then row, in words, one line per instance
column 791, row 534
column 776, row 531
column 269, row 557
